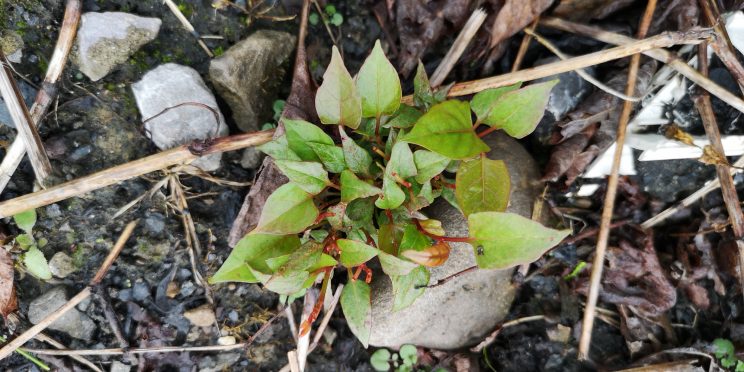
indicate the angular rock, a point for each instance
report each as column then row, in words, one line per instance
column 61, row 265
column 463, row 310
column 168, row 86
column 73, row 322
column 202, row 316
column 249, row 73
column 108, row 39
column 11, row 44
column 252, row 158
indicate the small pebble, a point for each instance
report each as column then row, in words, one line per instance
column 187, row 288
column 202, row 316
column 226, row 340
column 141, row 290
column 172, row 290
column 233, row 316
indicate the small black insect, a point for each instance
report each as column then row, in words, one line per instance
column 199, row 147
column 480, row 250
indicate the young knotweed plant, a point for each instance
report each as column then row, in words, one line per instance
column 360, row 179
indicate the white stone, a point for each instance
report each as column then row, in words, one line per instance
column 165, row 88
column 73, row 322
column 108, row 39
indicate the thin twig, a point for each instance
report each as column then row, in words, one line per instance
column 458, row 47
column 451, row 277
column 730, row 197
column 52, row 317
column 110, row 314
column 44, row 338
column 23, row 122
column 609, row 202
column 45, row 97
column 658, row 54
column 524, row 45
column 581, row 72
column 303, row 341
column 188, row 26
column 178, row 155
column 663, row 40
column 326, row 318
column 488, row 340
column 721, row 44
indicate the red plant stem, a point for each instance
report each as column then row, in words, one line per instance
column 322, row 216
column 305, row 328
column 487, row 131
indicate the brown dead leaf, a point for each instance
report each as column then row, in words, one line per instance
column 565, row 153
column 433, row 256
column 514, row 16
column 422, row 24
column 712, row 157
column 299, row 105
column 585, row 10
column 8, row 300
column 674, row 132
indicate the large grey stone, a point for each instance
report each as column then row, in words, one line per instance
column 249, row 73
column 108, row 39
column 29, row 94
column 73, row 322
column 463, row 310
column 161, row 91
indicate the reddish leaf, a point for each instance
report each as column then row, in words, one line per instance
column 514, row 16
column 8, row 301
column 433, row 256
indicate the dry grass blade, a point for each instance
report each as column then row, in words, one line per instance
column 458, row 47
column 609, row 202
column 183, row 154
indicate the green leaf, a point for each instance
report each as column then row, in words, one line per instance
column 299, row 133
column 354, row 253
column 392, row 196
column 337, row 100
column 309, row 176
column 300, row 260
column 389, row 237
column 401, row 161
column 355, row 303
column 36, row 264
column 288, row 210
column 723, row 348
column 517, row 112
column 337, row 219
column 482, row 185
column 26, row 220
column 331, row 156
column 337, row 19
column 509, row 239
column 447, row 129
column 408, row 354
column 278, row 149
column 483, row 101
column 359, row 214
column 425, row 195
column 380, row 360
column 353, row 188
column 25, row 240
column 357, row 158
column 325, row 260
column 287, row 283
column 253, row 250
column 378, row 85
column 405, row 118
column 395, row 266
column 407, row 288
column 423, row 95
column 449, row 195
column 413, row 239
column 429, row 165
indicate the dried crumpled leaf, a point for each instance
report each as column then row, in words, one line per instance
column 635, row 278
column 585, row 10
column 8, row 300
column 674, row 132
column 422, row 23
column 299, row 105
column 514, row 16
column 712, row 157
column 566, row 153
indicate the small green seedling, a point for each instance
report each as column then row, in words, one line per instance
column 402, row 361
column 331, row 15
column 278, row 108
column 33, row 259
column 360, row 180
column 726, row 354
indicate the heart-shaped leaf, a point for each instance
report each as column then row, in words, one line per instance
column 413, row 239
column 357, row 308
column 337, row 100
column 357, row 158
column 429, row 164
column 378, row 85
column 254, row 250
column 392, row 196
column 278, row 149
column 401, row 161
column 507, row 239
column 288, row 210
column 353, row 188
column 407, row 288
column 483, row 102
column 354, row 253
column 405, row 118
column 482, row 185
column 517, row 112
column 299, row 133
column 309, row 176
column 447, row 129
